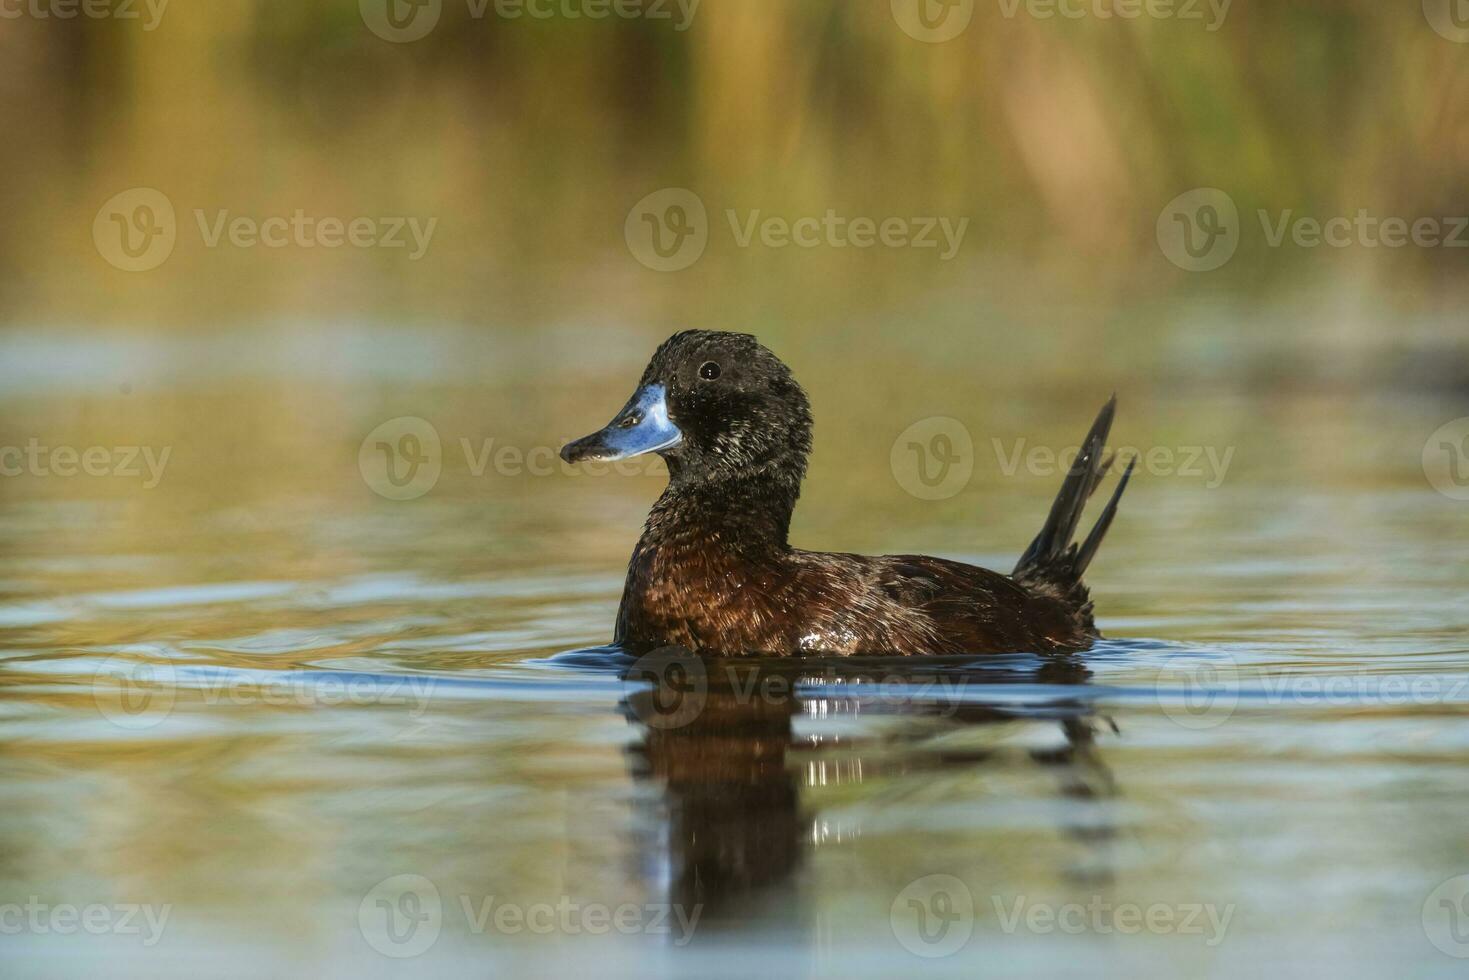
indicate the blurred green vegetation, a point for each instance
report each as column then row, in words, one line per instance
column 529, row 140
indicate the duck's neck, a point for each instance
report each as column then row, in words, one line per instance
column 741, row 514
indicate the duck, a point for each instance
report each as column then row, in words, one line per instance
column 714, row 572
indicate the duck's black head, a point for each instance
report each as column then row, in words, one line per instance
column 718, row 407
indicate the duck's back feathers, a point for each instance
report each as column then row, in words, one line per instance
column 938, row 606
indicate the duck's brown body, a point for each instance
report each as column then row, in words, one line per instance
column 796, row 602
column 712, row 574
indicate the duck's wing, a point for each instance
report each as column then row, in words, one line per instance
column 974, row 609
column 918, row 604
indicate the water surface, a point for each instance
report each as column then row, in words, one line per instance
column 311, row 728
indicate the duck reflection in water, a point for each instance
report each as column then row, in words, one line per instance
column 723, row 742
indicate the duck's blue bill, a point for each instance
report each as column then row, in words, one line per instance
column 641, row 427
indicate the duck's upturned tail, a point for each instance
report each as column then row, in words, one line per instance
column 1053, row 559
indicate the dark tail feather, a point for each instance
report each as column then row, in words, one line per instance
column 1099, row 530
column 1052, row 558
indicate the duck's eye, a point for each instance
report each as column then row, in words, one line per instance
column 709, row 371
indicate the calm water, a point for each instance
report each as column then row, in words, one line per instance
column 260, row 719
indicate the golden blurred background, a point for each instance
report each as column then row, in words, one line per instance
column 530, row 138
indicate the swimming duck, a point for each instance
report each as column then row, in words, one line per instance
column 715, row 573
